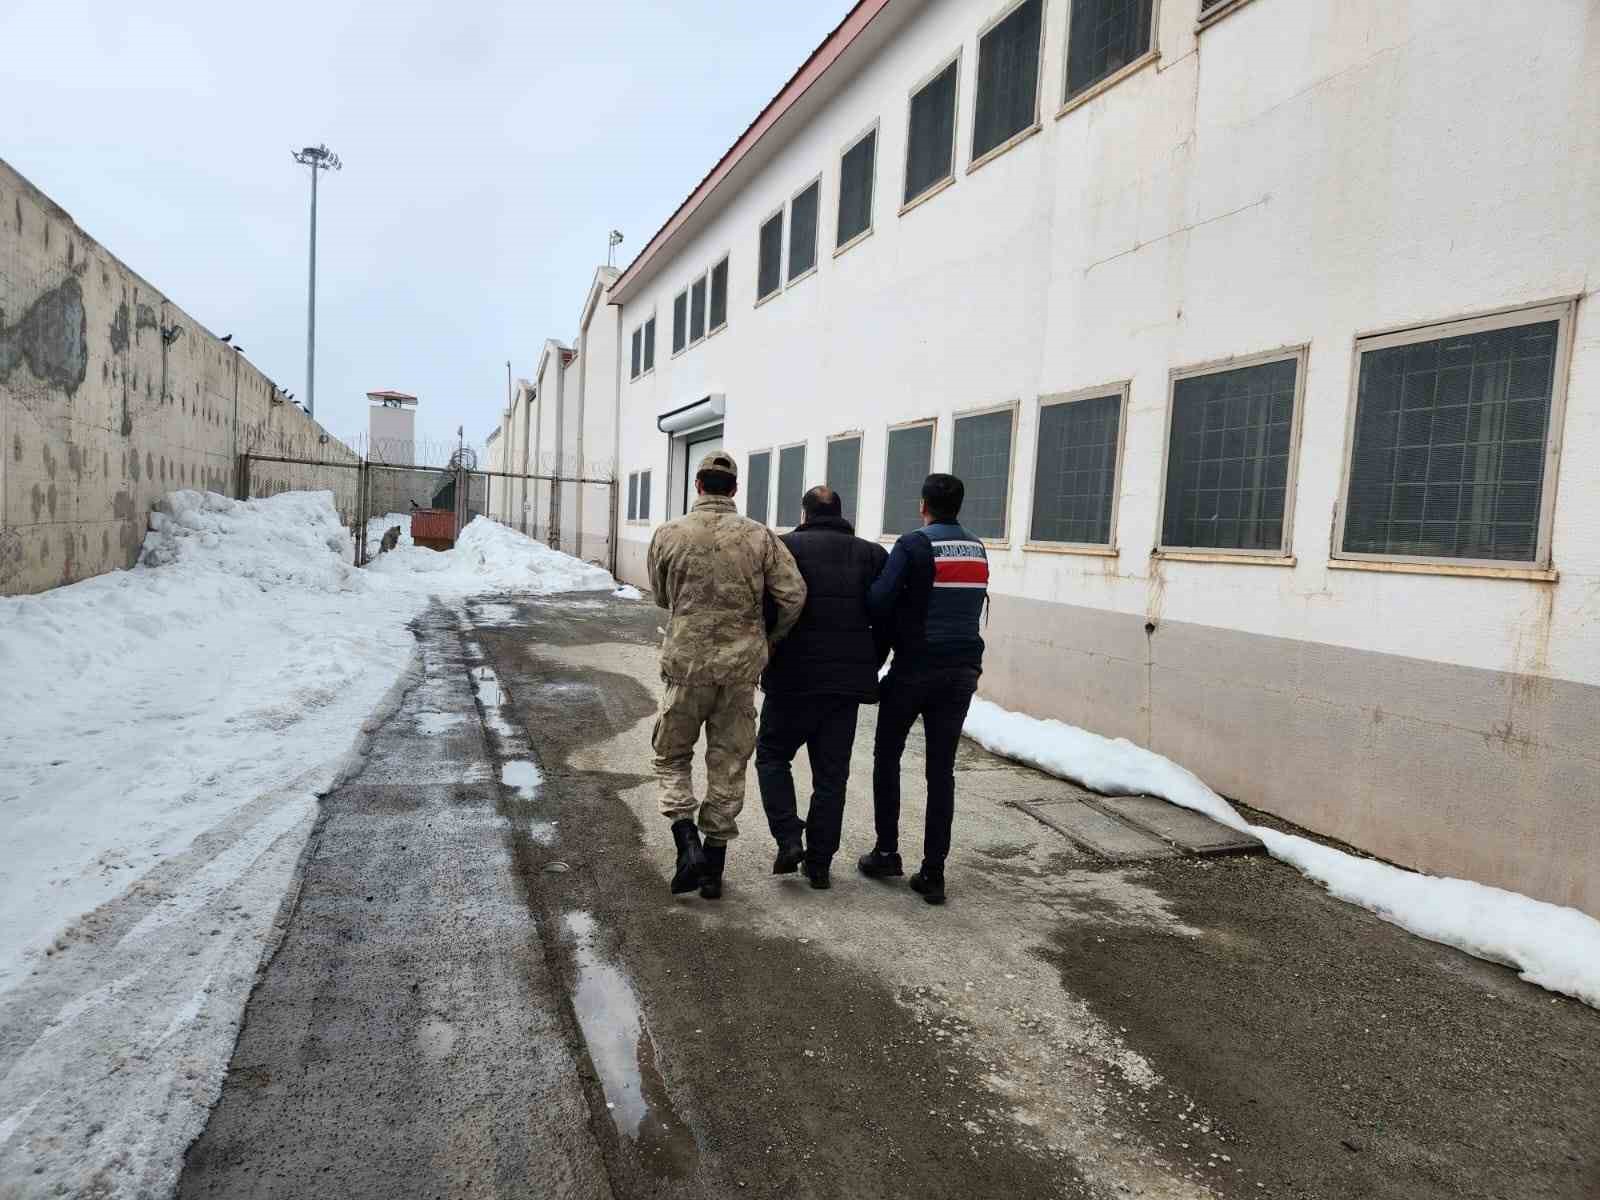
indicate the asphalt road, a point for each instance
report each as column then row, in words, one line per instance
column 486, row 990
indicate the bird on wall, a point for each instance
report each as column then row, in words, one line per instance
column 227, row 339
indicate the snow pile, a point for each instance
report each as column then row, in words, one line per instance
column 1557, row 948
column 628, row 592
column 490, row 557
column 290, row 540
column 168, row 730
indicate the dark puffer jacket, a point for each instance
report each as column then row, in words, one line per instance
column 831, row 651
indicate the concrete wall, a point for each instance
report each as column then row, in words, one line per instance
column 100, row 416
column 1294, row 175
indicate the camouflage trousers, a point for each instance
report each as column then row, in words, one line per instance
column 728, row 715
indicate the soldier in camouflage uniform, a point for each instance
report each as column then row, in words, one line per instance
column 713, row 569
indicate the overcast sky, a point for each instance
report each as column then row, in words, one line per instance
column 489, row 146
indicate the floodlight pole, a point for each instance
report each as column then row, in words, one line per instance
column 318, row 158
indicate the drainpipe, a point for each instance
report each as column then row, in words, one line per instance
column 583, row 371
column 616, row 442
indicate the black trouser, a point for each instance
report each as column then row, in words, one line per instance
column 940, row 696
column 826, row 727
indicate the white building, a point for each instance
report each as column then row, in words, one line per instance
column 1262, row 334
column 559, row 438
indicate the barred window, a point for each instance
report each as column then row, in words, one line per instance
column 981, row 458
column 1228, row 460
column 910, row 458
column 930, row 140
column 1450, row 441
column 1008, row 78
column 803, row 231
column 697, row 310
column 791, row 484
column 638, row 343
column 844, row 473
column 650, row 344
column 855, row 188
column 680, row 321
column 769, row 268
column 758, row 486
column 633, row 496
column 719, row 295
column 1075, row 472
column 644, row 495
column 1105, row 36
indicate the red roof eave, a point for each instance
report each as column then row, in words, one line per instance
column 823, row 57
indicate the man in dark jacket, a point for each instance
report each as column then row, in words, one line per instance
column 818, row 678
column 930, row 597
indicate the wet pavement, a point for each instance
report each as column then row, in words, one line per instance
column 486, row 990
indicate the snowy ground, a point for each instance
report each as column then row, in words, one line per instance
column 168, row 730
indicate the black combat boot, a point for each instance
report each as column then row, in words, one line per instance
column 929, row 884
column 691, row 858
column 880, row 864
column 817, row 873
column 791, row 851
column 711, row 880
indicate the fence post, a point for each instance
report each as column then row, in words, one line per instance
column 243, row 481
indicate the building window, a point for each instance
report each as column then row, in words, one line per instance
column 680, row 321
column 644, row 495
column 650, row 344
column 910, row 458
column 719, row 295
column 981, row 458
column 1075, row 470
column 803, row 230
column 638, row 352
column 633, row 496
column 1105, row 36
column 855, row 189
column 1008, row 78
column 758, row 486
column 844, row 472
column 1229, row 457
column 1452, row 440
column 697, row 310
column 930, row 140
column 769, row 268
column 791, row 484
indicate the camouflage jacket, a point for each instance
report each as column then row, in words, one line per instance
column 711, row 568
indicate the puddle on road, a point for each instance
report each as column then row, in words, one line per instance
column 624, row 1056
column 491, row 696
column 523, row 776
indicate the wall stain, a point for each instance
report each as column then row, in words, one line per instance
column 120, row 327
column 75, row 460
column 49, row 461
column 16, row 446
column 37, row 499
column 52, row 338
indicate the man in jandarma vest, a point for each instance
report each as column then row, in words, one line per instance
column 712, row 569
column 930, row 597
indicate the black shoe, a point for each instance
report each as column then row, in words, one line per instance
column 791, row 852
column 711, row 880
column 817, row 873
column 929, row 886
column 880, row 864
column 691, row 858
